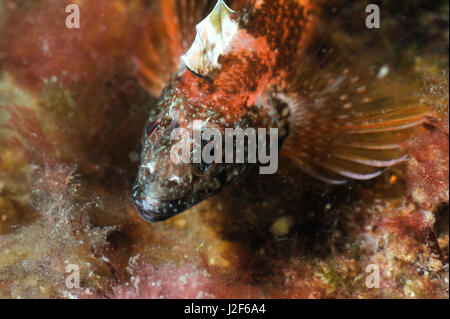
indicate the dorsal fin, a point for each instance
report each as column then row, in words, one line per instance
column 213, row 38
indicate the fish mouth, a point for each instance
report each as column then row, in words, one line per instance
column 155, row 210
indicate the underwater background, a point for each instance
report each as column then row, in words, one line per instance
column 73, row 107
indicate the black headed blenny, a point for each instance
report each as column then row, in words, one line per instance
column 253, row 68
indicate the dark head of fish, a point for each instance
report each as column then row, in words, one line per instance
column 165, row 188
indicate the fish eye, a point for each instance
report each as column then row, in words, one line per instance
column 153, row 129
column 151, row 126
column 200, row 169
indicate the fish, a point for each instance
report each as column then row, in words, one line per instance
column 259, row 67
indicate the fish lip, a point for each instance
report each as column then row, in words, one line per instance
column 151, row 216
column 154, row 210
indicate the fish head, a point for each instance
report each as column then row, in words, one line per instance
column 171, row 178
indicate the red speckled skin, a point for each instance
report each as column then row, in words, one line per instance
column 255, row 62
